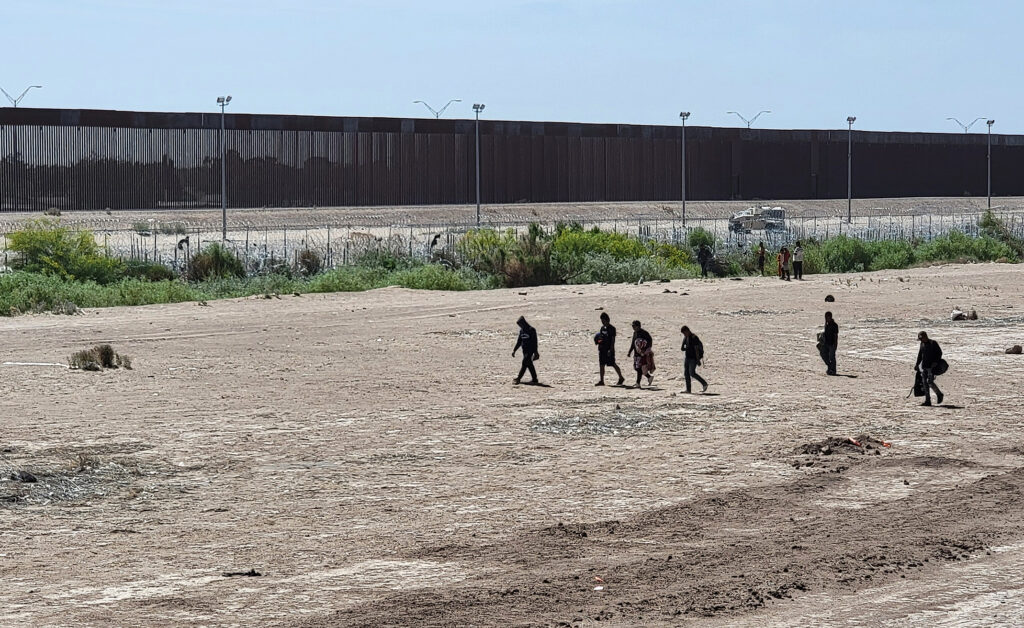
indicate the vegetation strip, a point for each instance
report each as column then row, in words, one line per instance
column 57, row 270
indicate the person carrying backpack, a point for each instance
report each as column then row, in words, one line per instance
column 693, row 354
column 929, row 365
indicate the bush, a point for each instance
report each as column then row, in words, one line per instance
column 99, row 357
column 215, row 261
column 150, row 271
column 699, row 236
column 46, row 247
column 958, row 246
column 309, row 263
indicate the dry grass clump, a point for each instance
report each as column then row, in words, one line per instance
column 99, row 357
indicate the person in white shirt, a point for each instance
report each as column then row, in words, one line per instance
column 798, row 261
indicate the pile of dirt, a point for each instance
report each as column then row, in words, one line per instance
column 862, row 444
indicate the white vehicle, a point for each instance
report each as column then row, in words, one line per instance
column 762, row 218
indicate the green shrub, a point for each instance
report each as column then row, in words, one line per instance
column 43, row 246
column 150, row 271
column 436, row 277
column 886, row 255
column 699, row 236
column 958, row 246
column 215, row 261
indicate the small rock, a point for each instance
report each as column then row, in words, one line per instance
column 957, row 315
column 829, row 299
column 23, row 476
column 1015, row 350
column 906, row 482
column 973, row 316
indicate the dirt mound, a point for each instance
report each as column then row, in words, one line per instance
column 862, row 444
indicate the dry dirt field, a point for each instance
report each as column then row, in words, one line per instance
column 517, row 214
column 368, row 456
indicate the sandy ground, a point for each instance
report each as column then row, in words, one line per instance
column 368, row 455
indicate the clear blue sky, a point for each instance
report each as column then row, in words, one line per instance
column 895, row 64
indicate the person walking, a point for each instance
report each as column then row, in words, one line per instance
column 761, row 253
column 704, row 256
column 693, row 354
column 641, row 348
column 798, row 261
column 929, row 365
column 786, row 256
column 605, row 341
column 528, row 341
column 828, row 342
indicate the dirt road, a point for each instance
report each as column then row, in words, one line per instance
column 369, row 457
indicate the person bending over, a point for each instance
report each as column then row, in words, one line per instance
column 929, row 359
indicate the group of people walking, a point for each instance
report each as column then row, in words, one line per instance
column 785, row 260
column 929, row 363
column 641, row 349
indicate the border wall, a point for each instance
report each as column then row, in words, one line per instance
column 92, row 160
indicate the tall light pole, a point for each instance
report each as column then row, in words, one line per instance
column 15, row 101
column 223, row 102
column 683, row 115
column 750, row 121
column 849, row 169
column 437, row 112
column 966, row 127
column 478, row 108
column 990, row 123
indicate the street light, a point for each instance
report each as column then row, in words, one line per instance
column 750, row 121
column 990, row 123
column 437, row 112
column 849, row 169
column 683, row 115
column 223, row 102
column 15, row 101
column 963, row 126
column 478, row 108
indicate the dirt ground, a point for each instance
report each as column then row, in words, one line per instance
column 368, row 456
column 517, row 214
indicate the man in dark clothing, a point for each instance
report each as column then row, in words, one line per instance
column 929, row 356
column 693, row 353
column 761, row 252
column 528, row 341
column 704, row 259
column 605, row 341
column 829, row 343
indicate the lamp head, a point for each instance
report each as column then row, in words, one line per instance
column 478, row 107
column 990, row 122
column 684, row 114
column 228, row 99
column 851, row 119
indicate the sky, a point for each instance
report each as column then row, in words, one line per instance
column 897, row 65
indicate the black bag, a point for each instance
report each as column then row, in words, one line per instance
column 940, row 367
column 919, row 387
